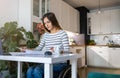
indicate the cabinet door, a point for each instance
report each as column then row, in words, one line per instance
column 73, row 16
column 101, row 56
column 100, row 23
column 55, row 6
column 115, row 21
column 61, row 10
column 95, row 23
column 97, row 56
column 79, row 50
column 114, row 57
column 105, row 22
column 90, row 56
column 65, row 16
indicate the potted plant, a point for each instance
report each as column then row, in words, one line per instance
column 30, row 42
column 11, row 35
column 4, row 72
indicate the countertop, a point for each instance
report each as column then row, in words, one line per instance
column 77, row 45
column 97, row 45
column 110, row 46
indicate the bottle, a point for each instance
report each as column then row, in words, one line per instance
column 57, row 49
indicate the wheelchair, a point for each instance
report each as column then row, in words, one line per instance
column 65, row 73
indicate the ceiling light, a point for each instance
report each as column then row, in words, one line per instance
column 99, row 8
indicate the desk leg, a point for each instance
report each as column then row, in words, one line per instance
column 19, row 70
column 48, row 72
column 74, row 68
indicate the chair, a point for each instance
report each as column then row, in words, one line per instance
column 102, row 75
column 66, row 72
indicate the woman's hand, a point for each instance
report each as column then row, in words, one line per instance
column 22, row 49
column 52, row 49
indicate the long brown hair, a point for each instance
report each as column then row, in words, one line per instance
column 52, row 18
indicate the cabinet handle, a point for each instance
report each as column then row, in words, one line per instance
column 78, row 51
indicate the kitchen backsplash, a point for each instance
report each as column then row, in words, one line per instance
column 104, row 39
column 76, row 38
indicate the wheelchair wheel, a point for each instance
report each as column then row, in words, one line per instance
column 66, row 73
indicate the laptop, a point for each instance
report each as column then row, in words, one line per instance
column 1, row 50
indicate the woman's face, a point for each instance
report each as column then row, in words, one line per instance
column 48, row 24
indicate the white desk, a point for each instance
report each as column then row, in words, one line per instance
column 48, row 62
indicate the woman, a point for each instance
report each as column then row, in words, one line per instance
column 54, row 37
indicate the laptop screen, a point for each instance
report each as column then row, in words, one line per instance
column 1, row 50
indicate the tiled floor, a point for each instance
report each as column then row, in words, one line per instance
column 85, row 70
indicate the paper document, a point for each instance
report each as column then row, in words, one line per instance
column 34, row 52
column 27, row 52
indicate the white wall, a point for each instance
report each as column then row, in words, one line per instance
column 17, row 10
column 25, row 14
column 8, row 11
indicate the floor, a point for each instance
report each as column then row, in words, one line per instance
column 84, row 71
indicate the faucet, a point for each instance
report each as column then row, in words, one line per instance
column 105, row 37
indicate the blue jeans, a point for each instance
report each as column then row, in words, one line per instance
column 38, row 70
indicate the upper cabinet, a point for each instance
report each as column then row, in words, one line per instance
column 67, row 16
column 106, row 22
column 115, row 20
column 93, row 23
column 74, row 20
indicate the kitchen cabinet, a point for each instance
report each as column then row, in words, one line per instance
column 55, row 6
column 70, row 18
column 106, row 22
column 67, row 16
column 74, row 20
column 115, row 21
column 90, row 56
column 79, row 50
column 93, row 24
column 103, row 56
column 99, row 23
column 97, row 56
column 114, row 54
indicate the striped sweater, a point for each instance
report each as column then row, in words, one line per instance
column 49, row 40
